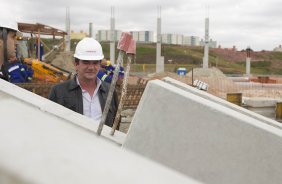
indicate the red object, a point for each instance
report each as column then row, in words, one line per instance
column 124, row 41
column 132, row 47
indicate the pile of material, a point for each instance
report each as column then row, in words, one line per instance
column 218, row 83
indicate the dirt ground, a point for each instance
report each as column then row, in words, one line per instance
column 219, row 84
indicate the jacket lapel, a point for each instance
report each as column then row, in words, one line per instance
column 102, row 96
column 75, row 88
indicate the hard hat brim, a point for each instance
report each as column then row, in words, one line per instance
column 13, row 28
column 90, row 58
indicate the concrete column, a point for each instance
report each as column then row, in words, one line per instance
column 159, row 58
column 113, row 38
column 90, row 30
column 248, row 66
column 67, row 41
column 206, row 50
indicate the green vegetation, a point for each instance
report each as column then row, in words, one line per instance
column 191, row 57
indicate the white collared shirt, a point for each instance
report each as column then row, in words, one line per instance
column 92, row 106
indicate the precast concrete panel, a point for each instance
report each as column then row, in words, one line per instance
column 43, row 142
column 225, row 103
column 203, row 139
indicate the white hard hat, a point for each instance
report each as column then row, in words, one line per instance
column 89, row 49
column 9, row 24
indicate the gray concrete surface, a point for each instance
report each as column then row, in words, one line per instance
column 261, row 116
column 204, row 139
column 44, row 143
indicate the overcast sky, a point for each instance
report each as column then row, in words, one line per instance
column 243, row 23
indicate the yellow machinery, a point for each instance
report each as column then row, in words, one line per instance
column 44, row 72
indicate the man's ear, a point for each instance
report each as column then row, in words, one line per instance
column 75, row 63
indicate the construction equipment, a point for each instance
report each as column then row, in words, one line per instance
column 43, row 72
column 123, row 46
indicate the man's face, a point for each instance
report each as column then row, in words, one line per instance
column 11, row 44
column 87, row 70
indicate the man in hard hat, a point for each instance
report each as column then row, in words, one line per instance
column 86, row 93
column 17, row 72
column 8, row 31
column 106, row 71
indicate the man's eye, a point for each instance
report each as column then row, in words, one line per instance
column 85, row 62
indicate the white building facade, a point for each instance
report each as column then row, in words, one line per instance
column 175, row 39
column 142, row 36
column 191, row 40
column 105, row 35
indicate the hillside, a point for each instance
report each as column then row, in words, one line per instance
column 227, row 60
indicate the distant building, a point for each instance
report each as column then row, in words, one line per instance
column 78, row 35
column 212, row 44
column 191, row 40
column 278, row 49
column 175, row 39
column 105, row 35
column 142, row 36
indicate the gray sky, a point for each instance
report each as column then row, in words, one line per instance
column 243, row 23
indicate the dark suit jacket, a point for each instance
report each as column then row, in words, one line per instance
column 69, row 95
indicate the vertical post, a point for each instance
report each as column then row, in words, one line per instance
column 206, row 47
column 67, row 40
column 90, row 30
column 113, row 37
column 248, row 62
column 192, row 76
column 159, row 58
column 38, row 45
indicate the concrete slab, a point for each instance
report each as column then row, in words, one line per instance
column 42, row 142
column 204, row 139
column 257, row 115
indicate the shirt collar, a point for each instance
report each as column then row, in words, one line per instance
column 99, row 82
